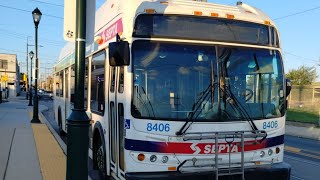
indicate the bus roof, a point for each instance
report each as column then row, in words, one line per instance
column 240, row 11
column 111, row 9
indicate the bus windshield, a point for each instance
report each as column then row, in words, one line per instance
column 205, row 82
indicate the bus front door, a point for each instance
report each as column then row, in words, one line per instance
column 113, row 139
column 116, row 123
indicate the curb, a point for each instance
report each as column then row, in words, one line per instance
column 54, row 133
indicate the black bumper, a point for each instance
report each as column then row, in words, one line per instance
column 279, row 171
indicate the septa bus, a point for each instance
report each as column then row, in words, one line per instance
column 181, row 89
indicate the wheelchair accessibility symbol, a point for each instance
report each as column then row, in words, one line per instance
column 127, row 124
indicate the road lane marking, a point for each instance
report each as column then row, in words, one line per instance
column 301, row 152
column 301, row 160
column 291, row 149
column 296, row 177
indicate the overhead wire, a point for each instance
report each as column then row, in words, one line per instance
column 28, row 11
column 297, row 13
column 52, row 4
column 301, row 57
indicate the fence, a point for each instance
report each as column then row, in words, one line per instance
column 305, row 98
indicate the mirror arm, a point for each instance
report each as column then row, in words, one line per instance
column 118, row 39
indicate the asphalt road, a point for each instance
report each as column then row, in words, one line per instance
column 302, row 154
column 304, row 157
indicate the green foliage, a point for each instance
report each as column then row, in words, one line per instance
column 304, row 75
column 304, row 116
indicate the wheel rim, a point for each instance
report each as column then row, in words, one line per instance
column 100, row 158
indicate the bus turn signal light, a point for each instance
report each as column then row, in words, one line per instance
column 141, row 157
column 172, row 168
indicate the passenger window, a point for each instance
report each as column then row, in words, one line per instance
column 121, row 135
column 72, row 79
column 97, row 83
column 58, row 84
column 113, row 132
column 112, row 79
column 61, row 84
column 66, row 75
column 121, row 80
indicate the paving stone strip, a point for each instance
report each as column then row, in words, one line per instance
column 51, row 157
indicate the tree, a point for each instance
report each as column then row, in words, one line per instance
column 304, row 75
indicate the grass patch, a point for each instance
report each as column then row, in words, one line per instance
column 303, row 116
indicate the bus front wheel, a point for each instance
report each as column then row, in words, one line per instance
column 99, row 155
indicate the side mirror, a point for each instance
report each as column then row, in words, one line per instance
column 288, row 87
column 119, row 53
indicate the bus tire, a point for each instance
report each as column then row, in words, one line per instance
column 99, row 155
column 61, row 132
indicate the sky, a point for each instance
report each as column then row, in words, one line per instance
column 297, row 21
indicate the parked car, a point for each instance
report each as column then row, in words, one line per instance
column 46, row 95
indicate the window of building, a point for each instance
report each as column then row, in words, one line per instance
column 3, row 64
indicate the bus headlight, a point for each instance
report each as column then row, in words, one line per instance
column 153, row 158
column 270, row 152
column 262, row 153
column 165, row 159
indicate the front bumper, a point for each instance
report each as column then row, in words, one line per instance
column 280, row 171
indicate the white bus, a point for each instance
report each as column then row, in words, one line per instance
column 181, row 89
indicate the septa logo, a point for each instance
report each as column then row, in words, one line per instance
column 195, row 148
column 210, row 148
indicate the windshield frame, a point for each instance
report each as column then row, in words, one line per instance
column 215, row 47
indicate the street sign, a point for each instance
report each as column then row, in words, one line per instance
column 4, row 78
column 69, row 25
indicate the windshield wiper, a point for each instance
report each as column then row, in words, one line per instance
column 198, row 103
column 195, row 108
column 243, row 113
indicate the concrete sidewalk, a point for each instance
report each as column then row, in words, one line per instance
column 17, row 150
column 27, row 151
column 303, row 130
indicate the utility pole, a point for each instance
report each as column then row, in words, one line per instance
column 78, row 121
column 27, row 89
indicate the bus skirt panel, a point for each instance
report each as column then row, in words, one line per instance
column 279, row 171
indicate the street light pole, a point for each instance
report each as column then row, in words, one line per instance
column 78, row 121
column 30, row 86
column 36, row 14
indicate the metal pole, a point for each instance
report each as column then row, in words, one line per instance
column 78, row 121
column 30, row 86
column 35, row 118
